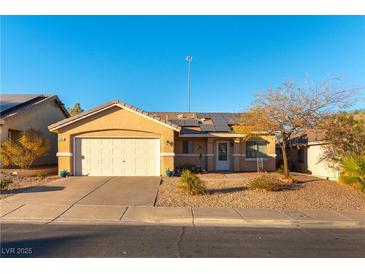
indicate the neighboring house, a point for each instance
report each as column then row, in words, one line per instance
column 116, row 139
column 305, row 151
column 21, row 112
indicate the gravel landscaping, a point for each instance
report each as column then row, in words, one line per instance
column 231, row 190
column 21, row 182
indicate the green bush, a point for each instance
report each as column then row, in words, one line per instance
column 353, row 171
column 266, row 182
column 191, row 184
column 280, row 169
column 4, row 183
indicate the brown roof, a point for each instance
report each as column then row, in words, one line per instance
column 93, row 110
column 308, row 136
column 202, row 121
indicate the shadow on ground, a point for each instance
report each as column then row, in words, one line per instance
column 32, row 189
column 227, row 190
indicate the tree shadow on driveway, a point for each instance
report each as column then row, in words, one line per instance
column 32, row 189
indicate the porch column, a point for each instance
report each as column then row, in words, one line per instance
column 236, row 155
column 210, row 155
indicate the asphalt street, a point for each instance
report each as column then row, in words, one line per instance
column 125, row 241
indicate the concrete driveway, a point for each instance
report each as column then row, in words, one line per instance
column 96, row 191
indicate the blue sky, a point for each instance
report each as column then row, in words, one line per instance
column 141, row 59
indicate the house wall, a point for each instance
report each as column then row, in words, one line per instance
column 311, row 164
column 199, row 157
column 319, row 168
column 38, row 118
column 237, row 153
column 115, row 122
column 247, row 164
column 293, row 159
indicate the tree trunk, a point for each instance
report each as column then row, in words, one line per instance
column 285, row 158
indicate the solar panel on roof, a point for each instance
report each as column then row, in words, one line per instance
column 191, row 123
column 185, row 122
column 8, row 101
column 178, row 122
column 222, row 128
column 221, row 118
column 207, row 127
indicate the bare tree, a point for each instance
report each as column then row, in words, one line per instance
column 289, row 109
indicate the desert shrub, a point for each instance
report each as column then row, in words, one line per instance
column 280, row 169
column 266, row 182
column 353, row 171
column 42, row 174
column 193, row 168
column 191, row 184
column 23, row 152
column 4, row 183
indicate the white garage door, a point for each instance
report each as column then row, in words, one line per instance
column 117, row 157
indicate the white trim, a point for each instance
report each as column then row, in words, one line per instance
column 166, row 154
column 113, row 105
column 210, row 155
column 315, row 143
column 273, row 155
column 152, row 119
column 64, row 154
column 238, row 155
column 158, row 160
column 254, row 159
column 117, row 137
column 228, row 158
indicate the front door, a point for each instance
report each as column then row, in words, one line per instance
column 223, row 155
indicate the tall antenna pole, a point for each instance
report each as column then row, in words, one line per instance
column 189, row 59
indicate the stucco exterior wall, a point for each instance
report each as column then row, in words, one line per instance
column 115, row 122
column 311, row 162
column 251, row 164
column 198, row 158
column 37, row 118
column 319, row 168
column 237, row 153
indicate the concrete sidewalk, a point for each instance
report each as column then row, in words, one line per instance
column 186, row 216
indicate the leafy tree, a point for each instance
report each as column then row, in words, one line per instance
column 289, row 109
column 76, row 109
column 345, row 134
column 24, row 151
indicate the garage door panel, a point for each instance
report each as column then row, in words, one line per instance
column 117, row 157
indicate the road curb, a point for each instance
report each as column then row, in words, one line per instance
column 185, row 216
column 208, row 223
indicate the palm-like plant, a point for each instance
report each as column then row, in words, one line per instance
column 353, row 170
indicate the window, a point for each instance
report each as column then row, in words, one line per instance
column 13, row 134
column 256, row 149
column 188, row 147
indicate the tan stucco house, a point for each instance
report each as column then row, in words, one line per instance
column 21, row 112
column 117, row 139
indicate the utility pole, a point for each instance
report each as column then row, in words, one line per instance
column 189, row 59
